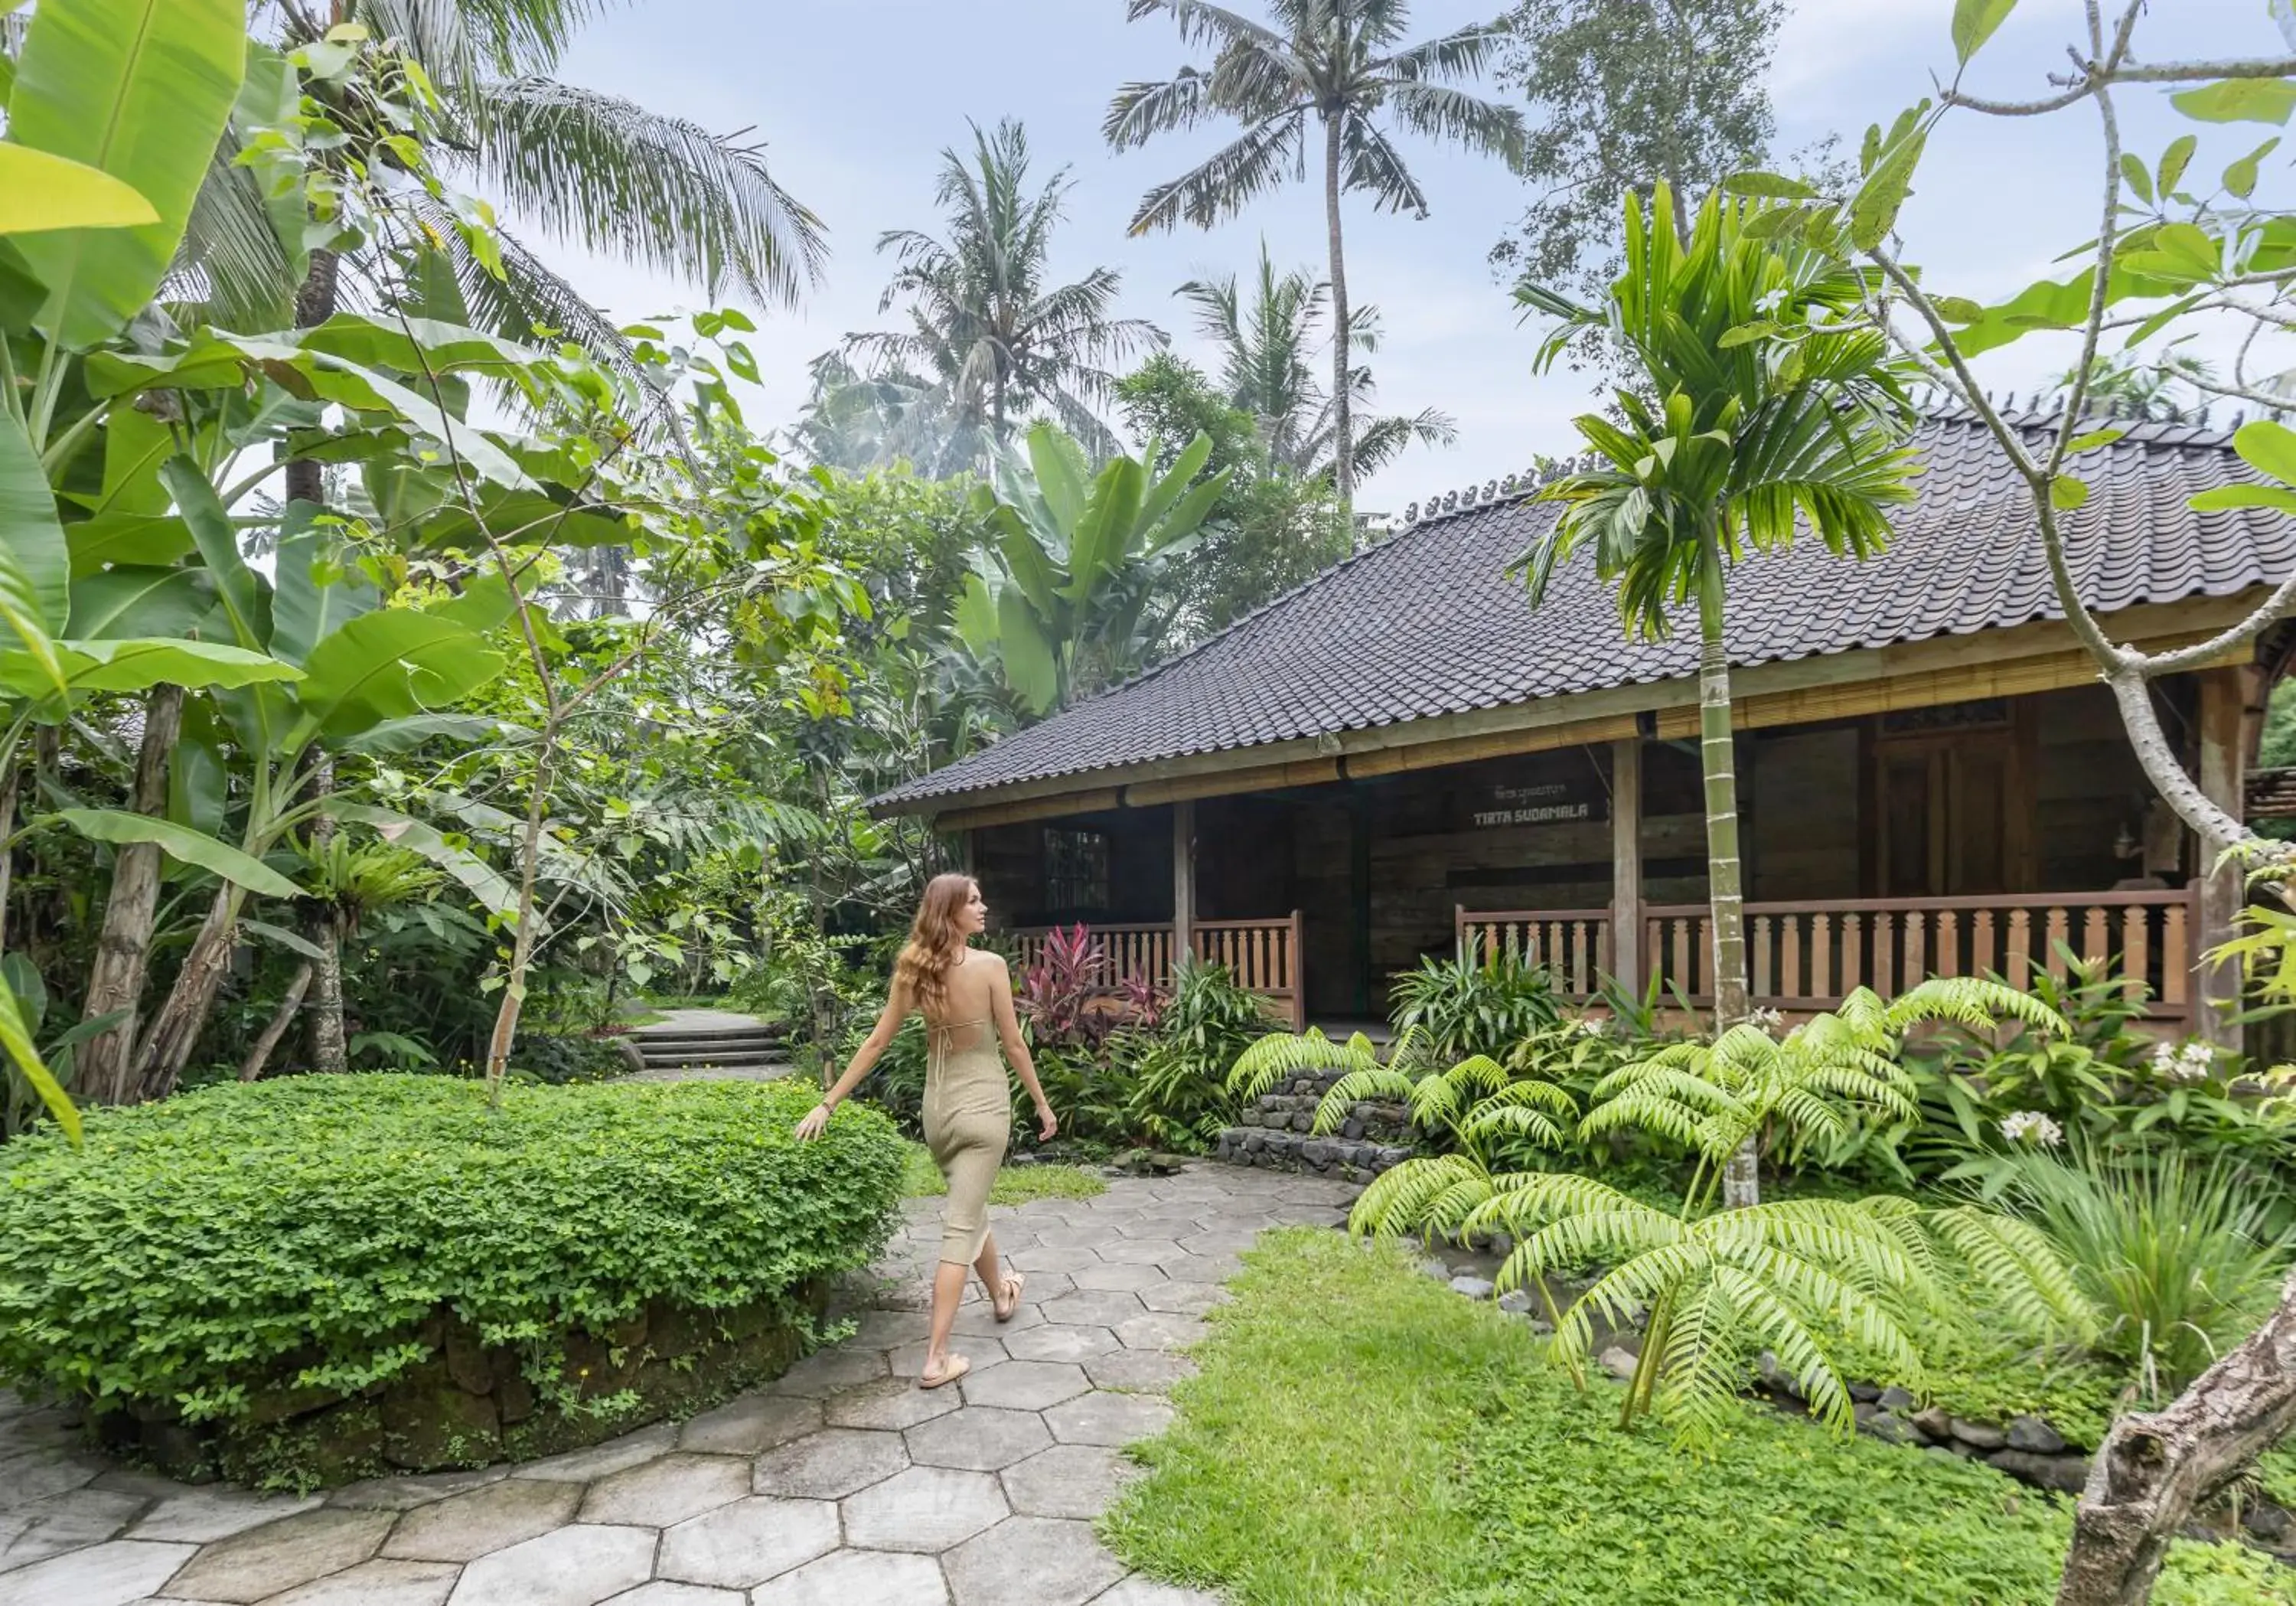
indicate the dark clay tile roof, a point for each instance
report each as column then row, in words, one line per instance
column 1430, row 622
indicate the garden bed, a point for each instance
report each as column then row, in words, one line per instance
column 300, row 1282
column 1359, row 1432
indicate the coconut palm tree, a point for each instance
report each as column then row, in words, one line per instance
column 1265, row 342
column 586, row 170
column 1754, row 403
column 1334, row 63
column 995, row 339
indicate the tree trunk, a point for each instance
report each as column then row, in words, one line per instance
column 522, row 951
column 105, row 1063
column 324, row 1020
column 1343, row 440
column 1717, row 757
column 2157, row 1467
column 257, row 1056
column 174, row 1032
column 315, row 304
column 9, row 786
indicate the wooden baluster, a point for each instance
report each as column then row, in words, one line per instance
column 1917, row 947
column 1789, row 959
column 2058, row 929
column 1764, row 981
column 2096, row 943
column 1583, row 963
column 1948, row 943
column 2175, row 961
column 1853, row 956
column 1885, row 953
column 1684, row 976
column 2135, row 965
column 2019, row 957
column 1821, row 956
column 1983, row 956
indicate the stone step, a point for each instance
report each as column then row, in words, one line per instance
column 710, row 1038
column 1354, row 1160
column 662, row 1062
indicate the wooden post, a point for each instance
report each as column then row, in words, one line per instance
column 1627, row 863
column 1184, row 881
column 2223, row 756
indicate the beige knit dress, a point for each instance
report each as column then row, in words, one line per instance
column 968, row 1119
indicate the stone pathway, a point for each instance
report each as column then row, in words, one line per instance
column 842, row 1484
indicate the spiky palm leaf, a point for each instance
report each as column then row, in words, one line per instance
column 611, row 176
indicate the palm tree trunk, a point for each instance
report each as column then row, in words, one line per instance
column 1343, row 440
column 1717, row 757
column 105, row 1063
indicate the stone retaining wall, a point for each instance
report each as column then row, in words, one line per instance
column 1278, row 1134
column 469, row 1403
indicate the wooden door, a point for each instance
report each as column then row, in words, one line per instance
column 1944, row 815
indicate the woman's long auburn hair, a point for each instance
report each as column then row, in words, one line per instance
column 935, row 946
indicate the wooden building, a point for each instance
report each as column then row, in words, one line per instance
column 1404, row 758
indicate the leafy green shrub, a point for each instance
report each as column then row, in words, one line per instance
column 1466, row 1008
column 1178, row 1096
column 2177, row 1253
column 2095, row 1079
column 558, row 1061
column 1793, row 1277
column 297, row 1235
column 1360, row 1433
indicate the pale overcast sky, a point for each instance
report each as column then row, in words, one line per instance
column 856, row 98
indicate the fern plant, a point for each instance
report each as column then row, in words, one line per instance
column 1799, row 1278
column 1478, row 1108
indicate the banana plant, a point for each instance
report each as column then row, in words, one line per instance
column 1059, row 600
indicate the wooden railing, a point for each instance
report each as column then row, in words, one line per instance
column 1807, row 956
column 1263, row 956
column 1575, row 943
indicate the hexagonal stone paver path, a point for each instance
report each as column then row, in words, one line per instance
column 843, row 1484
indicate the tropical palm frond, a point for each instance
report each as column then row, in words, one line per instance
column 1279, row 1056
column 1438, row 112
column 461, row 41
column 1423, row 1195
column 230, row 266
column 1369, row 162
column 609, row 175
column 1229, row 179
column 1141, row 111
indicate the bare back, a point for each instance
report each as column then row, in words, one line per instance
column 971, row 1018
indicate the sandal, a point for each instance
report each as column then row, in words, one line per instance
column 951, row 1367
column 1018, row 1281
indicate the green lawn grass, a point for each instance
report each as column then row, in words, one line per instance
column 1014, row 1185
column 1360, row 1434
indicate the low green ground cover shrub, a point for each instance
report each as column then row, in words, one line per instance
column 1014, row 1185
column 238, row 1257
column 1360, row 1434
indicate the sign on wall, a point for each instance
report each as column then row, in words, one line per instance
column 1538, row 804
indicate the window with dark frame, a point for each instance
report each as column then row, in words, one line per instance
column 1076, row 870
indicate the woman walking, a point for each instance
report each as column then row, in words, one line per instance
column 962, row 992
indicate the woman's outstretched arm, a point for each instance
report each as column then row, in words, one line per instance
column 873, row 1048
column 1016, row 1047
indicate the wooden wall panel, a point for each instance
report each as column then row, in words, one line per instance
column 1801, row 792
